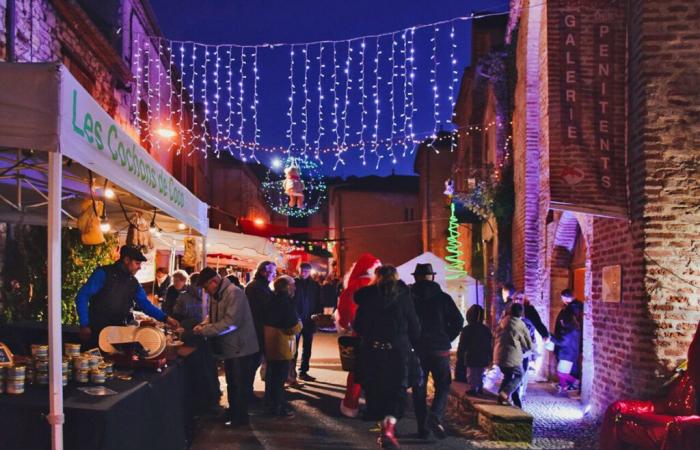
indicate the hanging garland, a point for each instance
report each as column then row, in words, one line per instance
column 360, row 93
column 295, row 187
column 455, row 268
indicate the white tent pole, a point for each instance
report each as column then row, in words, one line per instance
column 55, row 417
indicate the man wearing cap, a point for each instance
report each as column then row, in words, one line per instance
column 441, row 323
column 232, row 333
column 109, row 295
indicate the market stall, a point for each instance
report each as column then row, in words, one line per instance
column 56, row 144
column 225, row 248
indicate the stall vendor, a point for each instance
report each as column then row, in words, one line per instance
column 107, row 298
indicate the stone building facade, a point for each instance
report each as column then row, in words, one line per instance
column 634, row 340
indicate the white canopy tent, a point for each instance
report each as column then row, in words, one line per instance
column 465, row 291
column 43, row 108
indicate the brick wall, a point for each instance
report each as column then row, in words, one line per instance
column 631, row 346
column 374, row 222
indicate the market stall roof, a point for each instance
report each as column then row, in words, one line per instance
column 46, row 109
column 228, row 248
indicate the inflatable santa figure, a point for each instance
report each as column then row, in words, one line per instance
column 361, row 275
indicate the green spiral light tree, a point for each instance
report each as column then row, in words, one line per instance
column 455, row 268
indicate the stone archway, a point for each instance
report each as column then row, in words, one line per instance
column 569, row 267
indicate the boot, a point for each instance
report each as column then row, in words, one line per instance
column 387, row 438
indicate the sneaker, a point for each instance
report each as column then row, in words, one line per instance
column 306, row 377
column 387, row 437
column 436, row 427
column 504, row 400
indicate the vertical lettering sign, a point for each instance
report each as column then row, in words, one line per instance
column 586, row 51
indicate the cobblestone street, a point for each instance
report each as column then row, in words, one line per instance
column 559, row 422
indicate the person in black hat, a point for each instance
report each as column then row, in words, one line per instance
column 109, row 295
column 441, row 323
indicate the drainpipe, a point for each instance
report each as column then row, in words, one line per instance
column 11, row 26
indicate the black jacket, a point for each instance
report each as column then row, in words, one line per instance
column 307, row 299
column 568, row 345
column 384, row 319
column 439, row 317
column 476, row 343
column 259, row 294
column 279, row 312
column 575, row 308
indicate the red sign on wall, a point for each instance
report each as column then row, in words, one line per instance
column 586, row 43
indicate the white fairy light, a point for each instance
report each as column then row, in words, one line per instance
column 290, row 131
column 135, row 107
column 321, row 98
column 159, row 88
column 404, row 78
column 336, row 142
column 411, row 84
column 363, row 112
column 256, row 78
column 375, row 135
column 241, row 109
column 193, row 69
column 146, row 122
column 436, row 94
column 171, row 85
column 305, row 106
column 217, row 126
column 229, row 104
column 205, row 100
column 346, row 98
column 453, row 84
column 181, row 109
column 392, row 59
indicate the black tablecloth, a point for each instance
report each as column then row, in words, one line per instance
column 19, row 336
column 147, row 413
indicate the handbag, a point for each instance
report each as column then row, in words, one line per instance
column 348, row 345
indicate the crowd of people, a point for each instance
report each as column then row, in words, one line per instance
column 402, row 334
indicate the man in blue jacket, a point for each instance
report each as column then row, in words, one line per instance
column 109, row 295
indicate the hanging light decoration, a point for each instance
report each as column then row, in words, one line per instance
column 296, row 188
column 455, row 268
column 201, row 91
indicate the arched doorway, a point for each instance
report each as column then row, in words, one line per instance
column 568, row 270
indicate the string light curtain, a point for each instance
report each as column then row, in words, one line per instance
column 362, row 94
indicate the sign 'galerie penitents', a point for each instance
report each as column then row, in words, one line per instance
column 586, row 63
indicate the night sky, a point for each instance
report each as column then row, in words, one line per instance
column 247, row 22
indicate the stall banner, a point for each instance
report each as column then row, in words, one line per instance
column 587, row 56
column 90, row 136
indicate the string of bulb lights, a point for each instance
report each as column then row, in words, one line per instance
column 211, row 94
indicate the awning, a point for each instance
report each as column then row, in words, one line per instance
column 228, row 248
column 42, row 107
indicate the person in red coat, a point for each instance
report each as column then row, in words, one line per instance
column 360, row 276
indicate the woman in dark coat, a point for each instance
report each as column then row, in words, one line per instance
column 388, row 327
column 567, row 341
